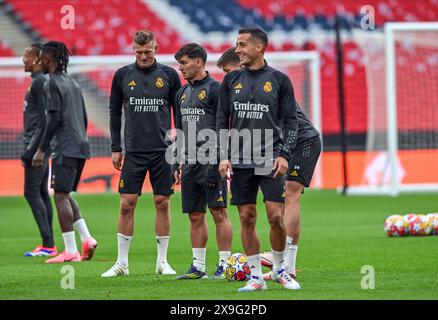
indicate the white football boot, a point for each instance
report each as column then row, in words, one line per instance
column 116, row 270
column 164, row 268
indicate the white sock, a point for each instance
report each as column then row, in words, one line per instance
column 123, row 242
column 289, row 264
column 255, row 265
column 199, row 258
column 287, row 252
column 81, row 227
column 278, row 259
column 162, row 244
column 70, row 242
column 224, row 256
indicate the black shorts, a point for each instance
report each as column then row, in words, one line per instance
column 245, row 185
column 303, row 161
column 135, row 167
column 195, row 193
column 66, row 173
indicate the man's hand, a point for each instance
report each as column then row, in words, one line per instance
column 280, row 165
column 38, row 159
column 177, row 174
column 117, row 158
column 225, row 169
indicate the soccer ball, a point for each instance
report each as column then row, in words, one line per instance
column 237, row 268
column 396, row 226
column 421, row 226
column 409, row 217
column 433, row 218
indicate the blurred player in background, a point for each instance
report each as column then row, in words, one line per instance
column 67, row 122
column 145, row 91
column 36, row 179
column 228, row 61
column 258, row 97
column 201, row 184
column 301, row 167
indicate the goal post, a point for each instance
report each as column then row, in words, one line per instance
column 402, row 84
column 94, row 75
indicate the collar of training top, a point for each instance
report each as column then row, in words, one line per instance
column 34, row 74
column 152, row 67
column 257, row 70
column 202, row 81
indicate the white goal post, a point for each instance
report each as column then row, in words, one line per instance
column 406, row 88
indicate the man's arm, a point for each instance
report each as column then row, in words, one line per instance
column 115, row 110
column 54, row 108
column 222, row 127
column 289, row 118
column 38, row 92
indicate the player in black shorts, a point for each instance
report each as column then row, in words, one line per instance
column 258, row 100
column 35, row 179
column 67, row 122
column 201, row 184
column 145, row 91
column 299, row 175
column 229, row 60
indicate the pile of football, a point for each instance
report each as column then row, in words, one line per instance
column 412, row 224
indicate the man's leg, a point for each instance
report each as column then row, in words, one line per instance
column 198, row 237
column 44, row 191
column 89, row 244
column 162, row 232
column 224, row 233
column 125, row 232
column 34, row 177
column 65, row 217
column 292, row 215
column 277, row 236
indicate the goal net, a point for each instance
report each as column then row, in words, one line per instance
column 402, row 85
column 94, row 74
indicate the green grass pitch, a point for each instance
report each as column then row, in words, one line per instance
column 339, row 236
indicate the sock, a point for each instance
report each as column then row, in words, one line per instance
column 287, row 252
column 289, row 264
column 123, row 242
column 199, row 258
column 255, row 265
column 224, row 256
column 81, row 227
column 70, row 242
column 278, row 259
column 162, row 244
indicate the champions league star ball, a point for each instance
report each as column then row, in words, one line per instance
column 409, row 217
column 237, row 268
column 420, row 226
column 396, row 226
column 433, row 218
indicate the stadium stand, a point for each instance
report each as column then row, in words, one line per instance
column 5, row 50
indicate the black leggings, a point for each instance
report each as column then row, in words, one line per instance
column 37, row 195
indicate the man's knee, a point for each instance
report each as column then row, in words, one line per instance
column 293, row 191
column 248, row 216
column 276, row 220
column 219, row 215
column 127, row 205
column 61, row 197
column 197, row 219
column 161, row 203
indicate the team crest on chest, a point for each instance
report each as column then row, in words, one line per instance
column 202, row 94
column 159, row 82
column 267, row 87
column 183, row 98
